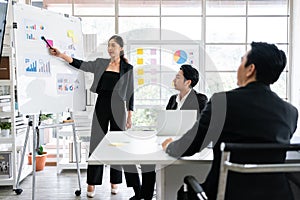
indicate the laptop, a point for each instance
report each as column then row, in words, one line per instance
column 175, row 122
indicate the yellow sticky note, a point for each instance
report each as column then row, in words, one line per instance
column 139, row 51
column 140, row 71
column 116, row 144
column 140, row 61
column 70, row 34
column 141, row 81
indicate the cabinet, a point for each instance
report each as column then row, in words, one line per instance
column 11, row 144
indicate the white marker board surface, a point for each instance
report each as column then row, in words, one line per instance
column 44, row 82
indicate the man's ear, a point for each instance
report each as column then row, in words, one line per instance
column 250, row 70
column 188, row 82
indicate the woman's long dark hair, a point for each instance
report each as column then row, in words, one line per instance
column 119, row 40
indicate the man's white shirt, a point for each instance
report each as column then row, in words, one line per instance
column 181, row 102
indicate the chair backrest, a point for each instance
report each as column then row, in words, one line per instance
column 271, row 166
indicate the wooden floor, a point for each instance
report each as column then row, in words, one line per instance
column 50, row 185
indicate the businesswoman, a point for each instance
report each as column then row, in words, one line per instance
column 113, row 82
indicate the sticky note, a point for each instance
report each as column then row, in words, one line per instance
column 70, row 33
column 140, row 61
column 141, row 81
column 153, row 61
column 50, row 42
column 139, row 51
column 154, row 80
column 153, row 52
column 140, row 71
column 153, row 71
column 116, row 144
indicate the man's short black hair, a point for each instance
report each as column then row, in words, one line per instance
column 269, row 61
column 190, row 73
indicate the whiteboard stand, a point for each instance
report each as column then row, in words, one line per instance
column 32, row 123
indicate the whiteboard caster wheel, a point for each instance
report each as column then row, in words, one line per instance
column 78, row 192
column 18, row 191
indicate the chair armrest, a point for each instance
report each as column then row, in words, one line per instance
column 259, row 146
column 192, row 183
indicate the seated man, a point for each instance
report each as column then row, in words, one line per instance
column 250, row 113
column 188, row 98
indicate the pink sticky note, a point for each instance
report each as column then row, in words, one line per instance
column 153, row 52
column 153, row 71
column 50, row 42
column 153, row 61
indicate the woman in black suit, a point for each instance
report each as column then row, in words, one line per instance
column 113, row 82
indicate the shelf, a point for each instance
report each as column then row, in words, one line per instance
column 4, row 96
column 5, row 114
column 67, row 131
column 4, row 82
column 64, row 164
column 7, row 107
column 5, row 140
column 6, row 181
column 27, row 169
column 4, row 104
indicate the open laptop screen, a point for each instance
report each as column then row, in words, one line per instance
column 175, row 122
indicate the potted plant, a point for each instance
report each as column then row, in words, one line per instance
column 40, row 154
column 5, row 128
column 45, row 117
column 40, row 159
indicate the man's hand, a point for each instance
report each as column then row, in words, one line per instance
column 166, row 143
column 128, row 123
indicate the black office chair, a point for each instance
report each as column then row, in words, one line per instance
column 192, row 189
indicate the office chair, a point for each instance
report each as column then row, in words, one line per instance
column 193, row 190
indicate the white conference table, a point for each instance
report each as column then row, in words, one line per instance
column 144, row 147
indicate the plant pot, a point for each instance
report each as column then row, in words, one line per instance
column 40, row 161
column 5, row 132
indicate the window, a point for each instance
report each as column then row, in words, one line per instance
column 222, row 31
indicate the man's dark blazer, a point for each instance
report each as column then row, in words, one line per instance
column 247, row 114
column 194, row 101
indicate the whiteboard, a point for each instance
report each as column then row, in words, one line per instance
column 44, row 82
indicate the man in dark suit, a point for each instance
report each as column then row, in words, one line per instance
column 188, row 98
column 250, row 113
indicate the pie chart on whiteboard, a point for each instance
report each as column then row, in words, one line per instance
column 180, row 56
